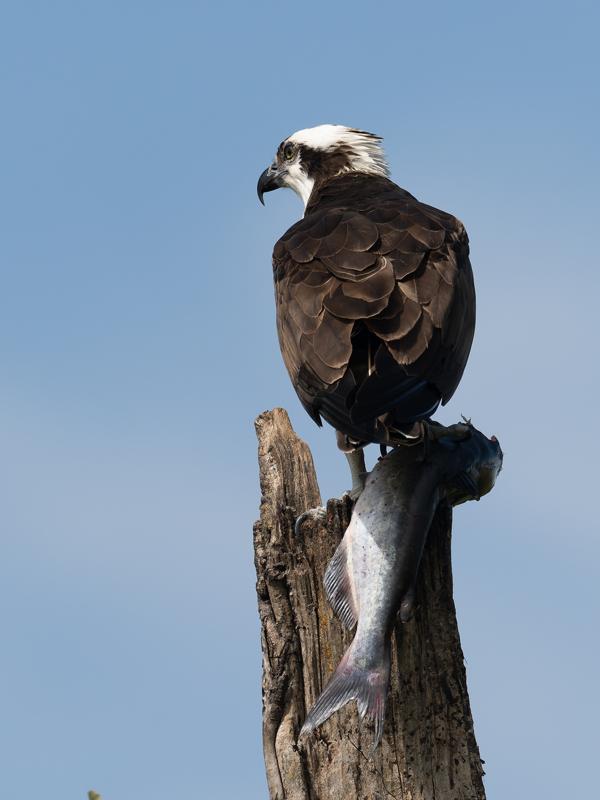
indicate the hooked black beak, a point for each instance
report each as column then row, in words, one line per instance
column 268, row 181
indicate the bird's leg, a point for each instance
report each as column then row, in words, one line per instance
column 356, row 461
column 358, row 471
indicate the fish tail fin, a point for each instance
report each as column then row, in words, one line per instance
column 368, row 685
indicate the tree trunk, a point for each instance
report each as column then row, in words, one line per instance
column 428, row 751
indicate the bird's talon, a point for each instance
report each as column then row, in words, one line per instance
column 319, row 514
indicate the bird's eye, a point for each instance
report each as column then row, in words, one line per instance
column 288, row 152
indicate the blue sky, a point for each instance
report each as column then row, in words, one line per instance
column 137, row 344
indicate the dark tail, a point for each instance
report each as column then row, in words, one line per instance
column 368, row 685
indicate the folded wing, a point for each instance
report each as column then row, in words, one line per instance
column 375, row 304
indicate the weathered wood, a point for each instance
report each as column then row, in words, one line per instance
column 428, row 751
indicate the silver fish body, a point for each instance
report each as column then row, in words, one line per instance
column 371, row 577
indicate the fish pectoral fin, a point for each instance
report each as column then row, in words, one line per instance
column 338, row 587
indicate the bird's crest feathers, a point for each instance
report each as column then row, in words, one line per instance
column 364, row 150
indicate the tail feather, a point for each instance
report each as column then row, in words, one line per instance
column 367, row 686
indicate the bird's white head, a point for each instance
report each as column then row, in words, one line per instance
column 313, row 156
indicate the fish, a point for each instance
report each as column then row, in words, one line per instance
column 371, row 578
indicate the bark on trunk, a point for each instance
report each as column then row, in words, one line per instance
column 428, row 751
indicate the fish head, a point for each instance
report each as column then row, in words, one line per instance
column 478, row 465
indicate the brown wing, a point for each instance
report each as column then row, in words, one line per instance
column 373, row 288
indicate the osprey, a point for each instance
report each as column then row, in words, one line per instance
column 374, row 292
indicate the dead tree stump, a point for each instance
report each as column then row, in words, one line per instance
column 428, row 751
